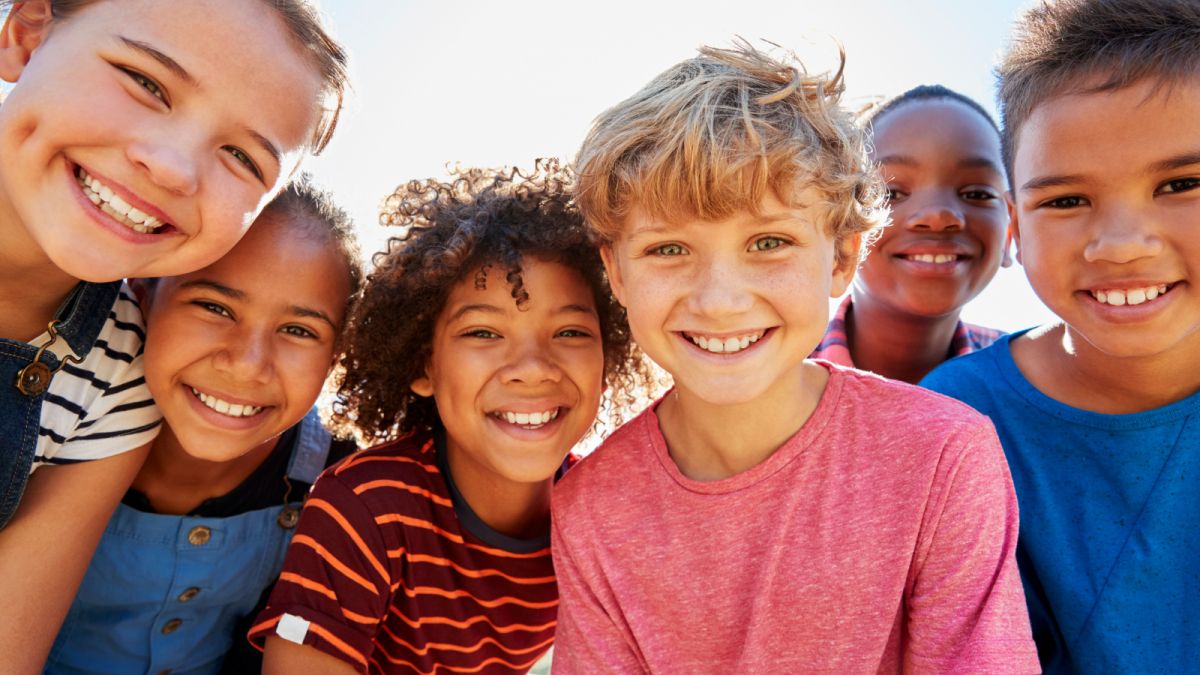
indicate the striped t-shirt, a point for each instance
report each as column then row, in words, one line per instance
column 100, row 407
column 391, row 572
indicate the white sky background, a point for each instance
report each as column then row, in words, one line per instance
column 503, row 83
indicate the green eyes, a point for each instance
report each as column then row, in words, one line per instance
column 670, row 249
column 147, row 84
column 244, row 159
column 766, row 244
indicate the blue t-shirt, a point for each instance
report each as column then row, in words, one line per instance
column 1109, row 549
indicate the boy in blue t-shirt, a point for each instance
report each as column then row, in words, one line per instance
column 1101, row 108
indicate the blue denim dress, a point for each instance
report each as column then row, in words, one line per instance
column 81, row 319
column 163, row 593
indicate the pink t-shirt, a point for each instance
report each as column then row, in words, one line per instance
column 879, row 539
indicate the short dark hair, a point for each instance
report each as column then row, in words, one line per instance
column 450, row 228
column 1063, row 47
column 924, row 92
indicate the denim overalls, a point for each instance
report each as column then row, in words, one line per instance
column 163, row 593
column 81, row 318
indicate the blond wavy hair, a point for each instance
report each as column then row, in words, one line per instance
column 710, row 136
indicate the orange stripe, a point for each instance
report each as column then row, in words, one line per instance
column 341, row 520
column 425, row 524
column 430, row 590
column 358, row 617
column 333, row 640
column 355, row 461
column 403, row 486
column 475, row 574
column 338, row 565
column 461, row 648
column 264, row 625
column 309, row 584
column 446, row 621
column 452, row 669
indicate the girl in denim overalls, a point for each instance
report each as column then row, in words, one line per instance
column 139, row 138
column 236, row 355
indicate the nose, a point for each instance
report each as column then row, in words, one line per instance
column 247, row 357
column 1121, row 236
column 171, row 162
column 530, row 361
column 935, row 211
column 720, row 291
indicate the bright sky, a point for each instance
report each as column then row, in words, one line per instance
column 503, row 83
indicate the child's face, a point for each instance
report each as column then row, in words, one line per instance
column 191, row 113
column 1105, row 206
column 494, row 365
column 946, row 194
column 237, row 352
column 729, row 308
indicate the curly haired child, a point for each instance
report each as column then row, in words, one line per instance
column 479, row 354
column 771, row 514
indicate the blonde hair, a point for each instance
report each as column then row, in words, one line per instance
column 710, row 136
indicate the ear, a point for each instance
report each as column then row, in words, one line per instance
column 422, row 386
column 612, row 266
column 24, row 30
column 843, row 273
column 1014, row 228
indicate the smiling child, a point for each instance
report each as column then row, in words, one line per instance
column 940, row 155
column 482, row 348
column 1097, row 412
column 140, row 138
column 770, row 514
column 236, row 355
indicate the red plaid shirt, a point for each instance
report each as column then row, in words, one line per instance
column 967, row 338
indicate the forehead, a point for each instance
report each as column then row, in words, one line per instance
column 550, row 284
column 248, row 69
column 1112, row 135
column 801, row 209
column 940, row 126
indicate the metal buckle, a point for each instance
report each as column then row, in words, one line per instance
column 35, row 378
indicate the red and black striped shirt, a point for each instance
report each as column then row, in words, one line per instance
column 396, row 574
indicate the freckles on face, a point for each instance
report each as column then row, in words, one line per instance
column 729, row 308
column 1106, row 199
column 236, row 353
column 942, row 163
column 130, row 148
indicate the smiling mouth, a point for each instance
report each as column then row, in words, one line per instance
column 535, row 420
column 114, row 206
column 729, row 345
column 225, row 407
column 1131, row 296
column 938, row 259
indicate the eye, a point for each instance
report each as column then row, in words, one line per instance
column 244, row 159
column 1064, row 202
column 214, row 308
column 1180, row 185
column 147, row 84
column 482, row 333
column 894, row 195
column 299, row 331
column 977, row 195
column 574, row 332
column 668, row 250
column 767, row 244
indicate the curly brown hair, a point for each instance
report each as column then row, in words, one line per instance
column 478, row 217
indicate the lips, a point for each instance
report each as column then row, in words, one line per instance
column 118, row 207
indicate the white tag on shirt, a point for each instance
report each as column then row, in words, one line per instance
column 292, row 628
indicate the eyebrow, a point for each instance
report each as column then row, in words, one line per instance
column 312, row 314
column 465, row 309
column 167, row 62
column 973, row 162
column 266, row 145
column 902, row 160
column 1177, row 162
column 1051, row 181
column 575, row 309
column 216, row 288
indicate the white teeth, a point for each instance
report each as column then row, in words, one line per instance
column 939, row 258
column 113, row 205
column 528, row 420
column 1132, row 296
column 225, row 407
column 725, row 346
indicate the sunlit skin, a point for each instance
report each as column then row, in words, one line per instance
column 191, row 112
column 490, row 356
column 1105, row 197
column 258, row 327
column 943, row 167
column 769, row 274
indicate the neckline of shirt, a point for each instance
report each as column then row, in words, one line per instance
column 789, row 451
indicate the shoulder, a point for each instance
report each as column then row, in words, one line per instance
column 963, row 375
column 880, row 404
column 610, row 467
